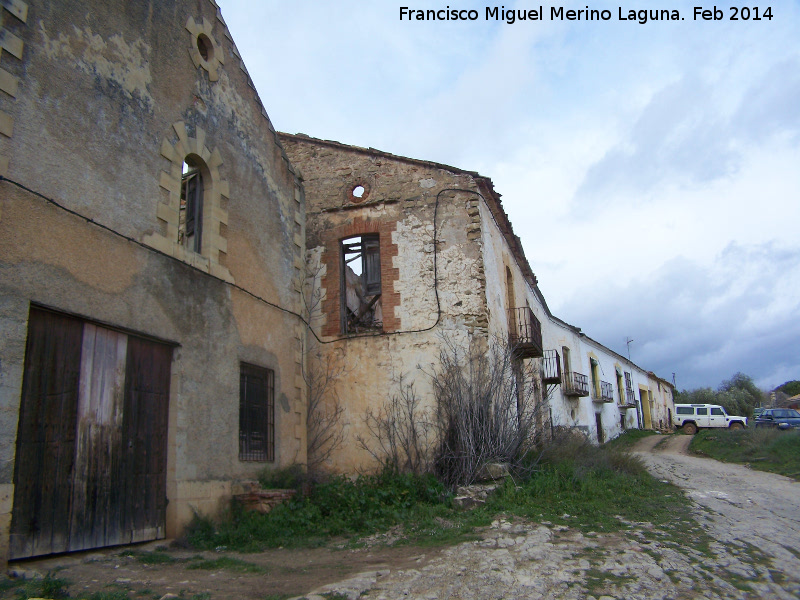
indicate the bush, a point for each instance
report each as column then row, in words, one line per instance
column 292, row 477
column 338, row 507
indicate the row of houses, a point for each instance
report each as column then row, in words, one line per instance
column 170, row 264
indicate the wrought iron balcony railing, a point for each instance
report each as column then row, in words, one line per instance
column 525, row 333
column 551, row 367
column 630, row 398
column 576, row 384
column 606, row 391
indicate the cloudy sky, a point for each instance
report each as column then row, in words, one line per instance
column 651, row 170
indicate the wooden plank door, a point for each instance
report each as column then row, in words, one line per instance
column 46, row 435
column 143, row 464
column 92, row 440
column 95, row 493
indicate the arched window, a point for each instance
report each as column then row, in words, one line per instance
column 190, row 222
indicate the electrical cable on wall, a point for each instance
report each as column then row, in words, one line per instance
column 253, row 294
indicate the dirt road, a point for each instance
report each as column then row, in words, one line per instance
column 752, row 552
column 742, row 505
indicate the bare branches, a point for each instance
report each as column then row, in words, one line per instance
column 325, row 424
column 324, row 411
column 400, row 433
column 486, row 409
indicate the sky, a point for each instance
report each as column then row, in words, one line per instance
column 652, row 170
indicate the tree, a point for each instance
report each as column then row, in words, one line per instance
column 790, row 388
column 737, row 395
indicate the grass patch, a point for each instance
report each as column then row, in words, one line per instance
column 575, row 484
column 225, row 563
column 596, row 489
column 150, row 558
column 598, row 581
column 107, row 595
column 48, row 587
column 769, row 450
column 628, row 439
column 340, row 507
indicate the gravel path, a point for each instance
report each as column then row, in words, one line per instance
column 754, row 518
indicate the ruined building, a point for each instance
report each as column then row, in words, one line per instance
column 151, row 246
column 436, row 259
column 153, row 263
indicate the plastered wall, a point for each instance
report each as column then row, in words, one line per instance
column 399, row 204
column 111, row 97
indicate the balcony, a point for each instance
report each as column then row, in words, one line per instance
column 551, row 367
column 525, row 333
column 630, row 399
column 606, row 392
column 576, row 385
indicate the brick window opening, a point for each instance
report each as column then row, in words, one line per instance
column 361, row 284
column 256, row 413
column 190, row 220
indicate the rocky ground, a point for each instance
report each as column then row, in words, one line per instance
column 753, row 550
column 746, row 544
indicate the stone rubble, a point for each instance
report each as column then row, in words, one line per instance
column 531, row 560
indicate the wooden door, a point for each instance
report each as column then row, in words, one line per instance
column 109, row 446
column 46, row 436
column 143, row 464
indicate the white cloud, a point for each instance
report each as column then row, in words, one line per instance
column 630, row 157
column 704, row 322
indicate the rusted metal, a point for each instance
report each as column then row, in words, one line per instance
column 551, row 367
column 576, row 384
column 525, row 333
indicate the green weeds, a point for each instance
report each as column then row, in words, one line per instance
column 574, row 483
column 340, row 507
column 50, row 587
column 627, row 440
column 225, row 563
column 770, row 450
column 150, row 558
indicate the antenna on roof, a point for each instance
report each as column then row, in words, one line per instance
column 628, row 341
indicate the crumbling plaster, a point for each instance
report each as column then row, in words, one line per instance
column 102, row 86
column 404, row 194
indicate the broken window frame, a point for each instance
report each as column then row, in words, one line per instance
column 367, row 249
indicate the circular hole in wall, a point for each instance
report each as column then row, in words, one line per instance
column 359, row 192
column 205, row 47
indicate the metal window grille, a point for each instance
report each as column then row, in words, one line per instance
column 256, row 413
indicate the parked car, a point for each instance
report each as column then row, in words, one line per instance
column 780, row 418
column 692, row 417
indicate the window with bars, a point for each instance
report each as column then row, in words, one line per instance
column 256, row 413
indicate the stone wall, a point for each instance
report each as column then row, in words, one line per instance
column 413, row 206
column 112, row 97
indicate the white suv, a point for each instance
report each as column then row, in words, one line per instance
column 694, row 416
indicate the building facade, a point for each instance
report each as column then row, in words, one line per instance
column 408, row 256
column 151, row 251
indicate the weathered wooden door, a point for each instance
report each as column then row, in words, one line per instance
column 108, row 450
column 46, row 436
